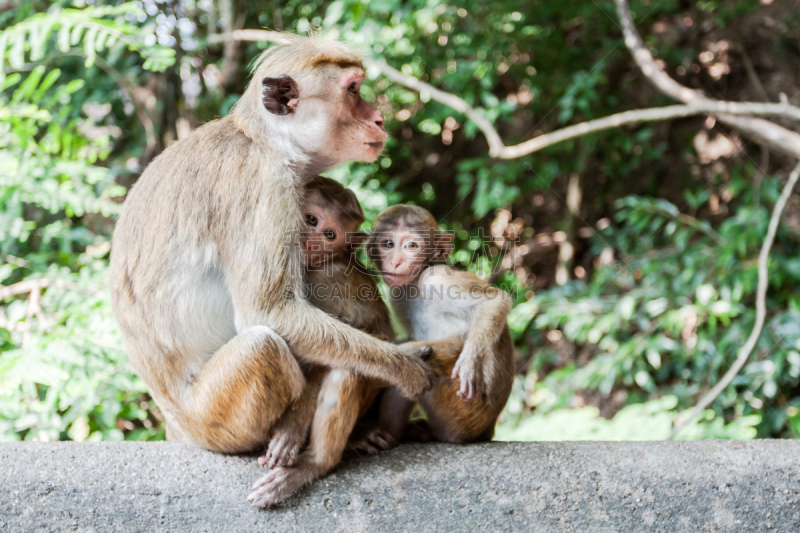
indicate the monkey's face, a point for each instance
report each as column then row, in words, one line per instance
column 325, row 233
column 331, row 120
column 356, row 129
column 402, row 254
column 363, row 134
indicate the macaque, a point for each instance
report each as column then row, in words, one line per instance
column 338, row 284
column 454, row 312
column 206, row 269
column 334, row 398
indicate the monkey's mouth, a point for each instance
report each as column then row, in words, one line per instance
column 393, row 279
column 376, row 144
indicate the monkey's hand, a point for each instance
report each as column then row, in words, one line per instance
column 418, row 376
column 469, row 369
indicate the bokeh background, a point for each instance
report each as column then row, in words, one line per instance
column 630, row 253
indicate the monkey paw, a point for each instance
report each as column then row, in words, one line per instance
column 282, row 449
column 371, row 439
column 279, row 484
column 418, row 376
column 469, row 370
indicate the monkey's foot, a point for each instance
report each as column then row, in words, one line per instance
column 371, row 439
column 283, row 448
column 279, row 484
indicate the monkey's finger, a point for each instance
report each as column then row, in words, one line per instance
column 263, row 460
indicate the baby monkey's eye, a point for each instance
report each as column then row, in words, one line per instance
column 411, row 245
column 353, row 88
column 311, row 220
column 329, row 234
column 388, row 243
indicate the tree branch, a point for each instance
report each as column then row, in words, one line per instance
column 496, row 146
column 773, row 135
column 30, row 285
column 761, row 308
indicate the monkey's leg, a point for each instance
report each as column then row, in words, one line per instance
column 445, row 354
column 174, row 431
column 291, row 431
column 241, row 392
column 337, row 410
column 451, row 418
column 395, row 409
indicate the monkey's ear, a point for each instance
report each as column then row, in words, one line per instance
column 280, row 95
column 444, row 244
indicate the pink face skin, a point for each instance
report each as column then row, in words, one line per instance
column 362, row 132
column 403, row 254
column 325, row 233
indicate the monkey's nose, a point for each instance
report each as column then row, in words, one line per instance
column 380, row 122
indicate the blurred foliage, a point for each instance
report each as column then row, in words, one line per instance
column 642, row 421
column 663, row 274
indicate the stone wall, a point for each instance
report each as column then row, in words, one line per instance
column 531, row 487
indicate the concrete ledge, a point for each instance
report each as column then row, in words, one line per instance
column 575, row 486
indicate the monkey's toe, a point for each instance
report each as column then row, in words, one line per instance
column 371, row 439
column 279, row 484
column 282, row 450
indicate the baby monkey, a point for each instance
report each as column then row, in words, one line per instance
column 463, row 319
column 333, row 399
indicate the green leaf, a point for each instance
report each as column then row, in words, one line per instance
column 63, row 39
column 16, row 56
column 89, row 46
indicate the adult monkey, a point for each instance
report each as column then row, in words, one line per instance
column 205, row 286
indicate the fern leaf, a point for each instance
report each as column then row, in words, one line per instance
column 48, row 82
column 3, row 45
column 28, row 86
column 16, row 56
column 63, row 38
column 88, row 46
column 75, row 35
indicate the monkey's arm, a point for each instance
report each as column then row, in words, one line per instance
column 320, row 339
column 489, row 318
column 317, row 337
column 484, row 310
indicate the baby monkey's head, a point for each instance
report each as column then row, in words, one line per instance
column 332, row 217
column 406, row 240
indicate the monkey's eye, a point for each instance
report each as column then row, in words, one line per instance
column 353, row 89
column 329, row 234
column 411, row 245
column 388, row 243
column 311, row 220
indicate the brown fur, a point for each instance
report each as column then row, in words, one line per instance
column 205, row 276
column 453, row 419
column 339, row 199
